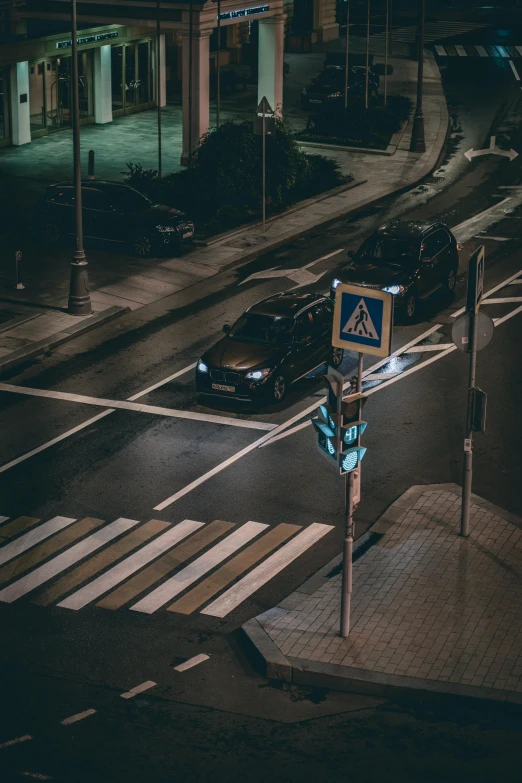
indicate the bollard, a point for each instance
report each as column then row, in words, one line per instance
column 18, row 264
column 90, row 170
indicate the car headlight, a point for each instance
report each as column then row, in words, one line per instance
column 394, row 289
column 202, row 367
column 335, row 95
column 257, row 375
column 336, row 282
column 165, row 228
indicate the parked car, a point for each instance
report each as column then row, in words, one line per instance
column 271, row 346
column 329, row 86
column 114, row 212
column 409, row 259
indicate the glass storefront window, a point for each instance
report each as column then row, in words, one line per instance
column 143, row 73
column 85, row 80
column 36, row 96
column 116, row 73
column 131, row 86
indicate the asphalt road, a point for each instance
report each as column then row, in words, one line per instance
column 220, row 718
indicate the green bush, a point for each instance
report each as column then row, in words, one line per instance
column 223, row 186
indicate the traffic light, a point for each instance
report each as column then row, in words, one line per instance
column 328, row 420
column 350, row 430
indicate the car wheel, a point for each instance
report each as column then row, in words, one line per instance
column 142, row 245
column 337, row 357
column 410, row 305
column 279, row 387
column 451, row 280
column 51, row 234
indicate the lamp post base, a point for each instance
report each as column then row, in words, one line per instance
column 79, row 298
column 417, row 143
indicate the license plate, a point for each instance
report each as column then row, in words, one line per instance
column 187, row 234
column 221, row 387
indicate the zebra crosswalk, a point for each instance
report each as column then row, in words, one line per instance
column 477, row 50
column 184, row 568
column 433, row 31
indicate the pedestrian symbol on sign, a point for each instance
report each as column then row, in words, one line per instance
column 360, row 322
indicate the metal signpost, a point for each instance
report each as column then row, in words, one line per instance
column 264, row 123
column 362, row 323
column 18, row 264
column 470, row 333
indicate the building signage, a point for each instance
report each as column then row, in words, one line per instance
column 260, row 9
column 87, row 39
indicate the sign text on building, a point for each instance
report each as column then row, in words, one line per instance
column 260, row 9
column 87, row 39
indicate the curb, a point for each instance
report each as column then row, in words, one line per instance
column 277, row 666
column 22, row 355
column 391, row 149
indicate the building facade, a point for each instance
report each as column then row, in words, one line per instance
column 118, row 53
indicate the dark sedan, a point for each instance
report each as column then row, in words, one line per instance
column 115, row 212
column 329, row 86
column 274, row 344
column 409, row 259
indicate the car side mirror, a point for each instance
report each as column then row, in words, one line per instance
column 351, row 254
column 226, row 328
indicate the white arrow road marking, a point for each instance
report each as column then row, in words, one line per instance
column 301, row 276
column 491, row 150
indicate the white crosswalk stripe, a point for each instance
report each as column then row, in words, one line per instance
column 229, row 568
column 433, row 31
column 476, row 50
column 28, row 540
column 63, row 561
column 3, row 519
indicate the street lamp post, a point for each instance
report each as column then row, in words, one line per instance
column 218, row 69
column 79, row 299
column 417, row 134
column 158, row 81
column 347, row 53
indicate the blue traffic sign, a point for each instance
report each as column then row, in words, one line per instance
column 363, row 320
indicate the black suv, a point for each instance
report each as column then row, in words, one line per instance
column 115, row 212
column 329, row 85
column 410, row 259
column 275, row 343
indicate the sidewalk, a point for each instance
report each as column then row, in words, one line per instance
column 143, row 282
column 433, row 615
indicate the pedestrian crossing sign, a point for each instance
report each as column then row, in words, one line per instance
column 362, row 320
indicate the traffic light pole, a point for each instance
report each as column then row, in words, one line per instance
column 349, row 529
column 468, row 441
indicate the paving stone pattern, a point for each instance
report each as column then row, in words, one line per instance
column 426, row 602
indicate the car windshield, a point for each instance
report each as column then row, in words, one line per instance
column 128, row 199
column 383, row 251
column 254, row 328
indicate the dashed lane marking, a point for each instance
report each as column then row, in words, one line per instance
column 77, row 717
column 134, row 406
column 182, row 667
column 16, row 741
column 145, row 686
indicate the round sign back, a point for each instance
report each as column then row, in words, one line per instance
column 460, row 331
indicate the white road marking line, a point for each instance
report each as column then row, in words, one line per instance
column 517, row 75
column 382, row 376
column 489, row 293
column 266, row 571
column 323, row 258
column 77, row 717
column 515, row 282
column 503, row 52
column 145, row 686
column 52, row 442
column 33, row 537
column 285, row 433
column 482, row 52
column 134, row 406
column 127, row 567
column 163, row 382
column 423, row 348
column 16, row 741
column 3, row 519
column 495, row 239
column 519, row 49
column 460, row 50
column 479, row 216
column 35, row 775
column 66, row 559
column 503, row 300
column 191, row 662
column 499, row 321
column 202, row 565
column 440, row 51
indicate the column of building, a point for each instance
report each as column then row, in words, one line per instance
column 19, row 93
column 270, row 61
column 326, row 27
